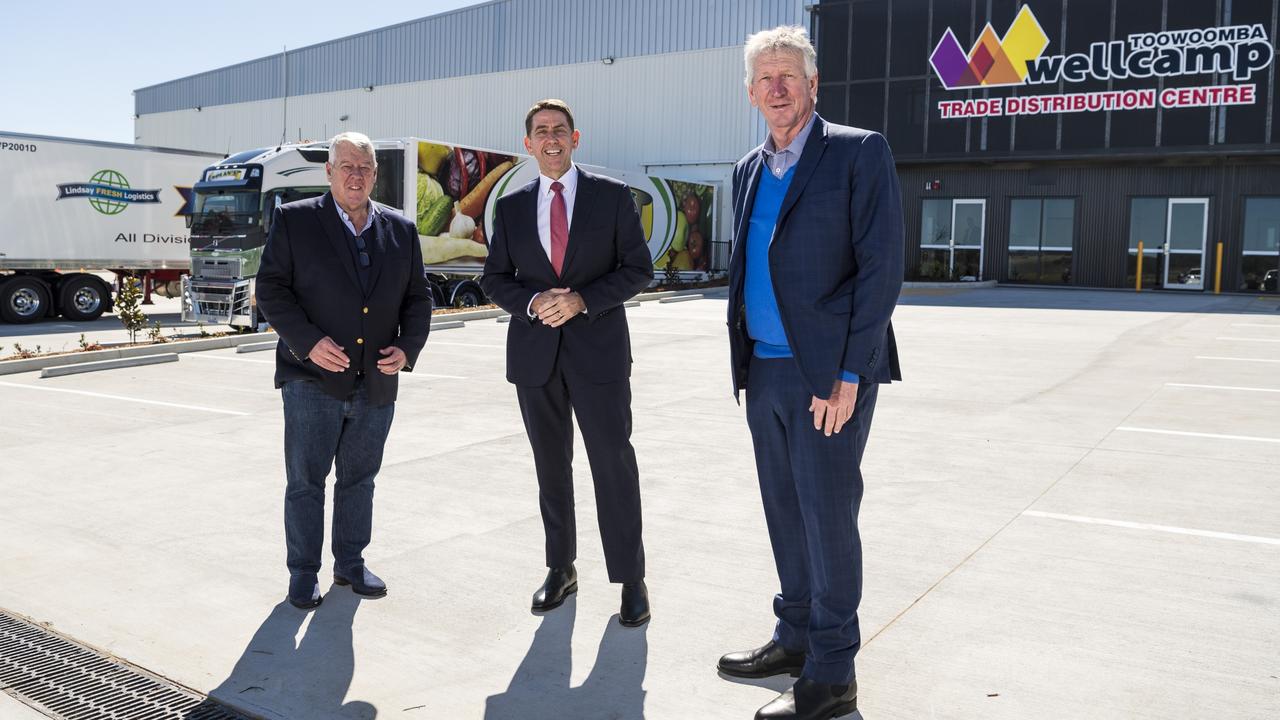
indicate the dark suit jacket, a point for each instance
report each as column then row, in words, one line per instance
column 836, row 258
column 607, row 262
column 307, row 288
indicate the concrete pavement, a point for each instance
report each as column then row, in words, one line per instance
column 1070, row 511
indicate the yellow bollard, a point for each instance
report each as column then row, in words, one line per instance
column 1217, row 273
column 1138, row 284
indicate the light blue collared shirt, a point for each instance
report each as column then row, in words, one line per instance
column 346, row 219
column 780, row 161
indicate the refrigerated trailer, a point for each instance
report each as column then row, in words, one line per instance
column 70, row 208
column 449, row 192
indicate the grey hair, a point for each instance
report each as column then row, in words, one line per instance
column 359, row 141
column 791, row 39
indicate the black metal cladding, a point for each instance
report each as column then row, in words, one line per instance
column 1102, row 192
column 869, row 49
column 873, row 63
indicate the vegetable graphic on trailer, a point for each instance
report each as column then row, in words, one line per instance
column 449, row 191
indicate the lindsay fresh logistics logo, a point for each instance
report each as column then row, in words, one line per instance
column 1017, row 59
column 108, row 192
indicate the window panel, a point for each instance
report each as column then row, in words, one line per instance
column 1059, row 223
column 1262, row 225
column 1087, row 23
column 869, row 40
column 831, row 103
column 832, row 42
column 1024, row 224
column 935, row 223
column 946, row 136
column 866, row 106
column 906, row 117
column 1146, row 223
column 910, row 43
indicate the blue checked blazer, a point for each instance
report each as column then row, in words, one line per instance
column 836, row 258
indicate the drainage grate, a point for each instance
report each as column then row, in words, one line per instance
column 64, row 679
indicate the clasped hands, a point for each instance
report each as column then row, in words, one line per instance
column 328, row 355
column 831, row 414
column 557, row 306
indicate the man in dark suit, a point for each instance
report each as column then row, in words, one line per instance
column 814, row 275
column 341, row 277
column 567, row 251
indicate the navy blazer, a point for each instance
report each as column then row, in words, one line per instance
column 606, row 262
column 836, row 258
column 307, row 288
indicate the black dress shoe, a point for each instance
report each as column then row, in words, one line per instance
column 809, row 700
column 635, row 604
column 304, row 591
column 362, row 582
column 560, row 584
column 765, row 661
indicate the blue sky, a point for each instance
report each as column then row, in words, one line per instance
column 71, row 66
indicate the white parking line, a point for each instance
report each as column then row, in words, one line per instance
column 1183, row 433
column 1157, row 528
column 122, row 397
column 1262, row 325
column 1222, row 387
column 1214, row 357
column 1240, row 339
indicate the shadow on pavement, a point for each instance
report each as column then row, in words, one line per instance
column 540, row 687
column 278, row 676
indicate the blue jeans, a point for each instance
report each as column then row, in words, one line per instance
column 811, row 486
column 319, row 433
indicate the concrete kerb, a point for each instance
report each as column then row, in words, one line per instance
column 984, row 285
column 115, row 364
column 11, row 367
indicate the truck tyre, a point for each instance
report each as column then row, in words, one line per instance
column 468, row 294
column 83, row 298
column 24, row 300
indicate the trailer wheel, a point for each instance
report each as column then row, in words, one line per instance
column 83, row 297
column 468, row 294
column 23, row 300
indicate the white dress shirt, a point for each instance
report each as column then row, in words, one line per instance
column 545, row 195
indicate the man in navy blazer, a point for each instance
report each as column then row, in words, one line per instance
column 814, row 276
column 567, row 251
column 342, row 283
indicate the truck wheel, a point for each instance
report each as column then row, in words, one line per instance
column 83, row 297
column 468, row 295
column 23, row 300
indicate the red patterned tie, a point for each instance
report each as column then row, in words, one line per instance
column 559, row 228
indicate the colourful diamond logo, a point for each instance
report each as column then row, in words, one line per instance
column 991, row 62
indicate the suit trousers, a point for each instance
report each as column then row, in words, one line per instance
column 321, row 432
column 604, row 417
column 811, row 486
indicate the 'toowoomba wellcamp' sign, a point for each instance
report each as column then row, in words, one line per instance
column 1017, row 59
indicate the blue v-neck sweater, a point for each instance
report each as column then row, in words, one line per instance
column 764, row 322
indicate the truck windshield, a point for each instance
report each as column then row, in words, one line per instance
column 224, row 219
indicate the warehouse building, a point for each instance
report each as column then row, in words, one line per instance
column 1042, row 142
column 1038, row 142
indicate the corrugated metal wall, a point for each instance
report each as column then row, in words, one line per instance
column 661, row 113
column 501, row 36
column 1103, row 192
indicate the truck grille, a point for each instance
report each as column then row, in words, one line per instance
column 217, row 268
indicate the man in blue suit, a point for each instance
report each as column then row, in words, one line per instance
column 813, row 280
